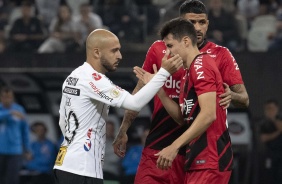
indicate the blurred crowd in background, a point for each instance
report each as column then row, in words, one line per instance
column 41, row 26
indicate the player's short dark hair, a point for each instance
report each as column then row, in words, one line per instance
column 192, row 6
column 179, row 28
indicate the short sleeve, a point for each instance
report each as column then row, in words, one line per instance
column 102, row 89
column 203, row 77
column 229, row 69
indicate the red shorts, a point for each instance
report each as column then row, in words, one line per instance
column 149, row 173
column 207, row 176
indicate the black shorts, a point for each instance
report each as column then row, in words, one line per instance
column 63, row 177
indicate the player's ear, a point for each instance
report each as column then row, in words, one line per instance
column 96, row 53
column 186, row 40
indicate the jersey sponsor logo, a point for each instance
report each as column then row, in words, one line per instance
column 72, row 81
column 187, row 106
column 100, row 93
column 172, row 84
column 198, row 65
column 96, row 76
column 88, row 144
column 71, row 91
column 89, row 133
column 200, row 162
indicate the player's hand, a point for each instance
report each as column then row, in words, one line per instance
column 119, row 144
column 172, row 64
column 166, row 157
column 225, row 97
column 143, row 75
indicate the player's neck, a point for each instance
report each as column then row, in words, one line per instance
column 193, row 53
column 95, row 65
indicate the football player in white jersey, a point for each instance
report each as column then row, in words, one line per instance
column 87, row 95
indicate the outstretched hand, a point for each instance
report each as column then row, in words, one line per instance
column 143, row 75
column 172, row 64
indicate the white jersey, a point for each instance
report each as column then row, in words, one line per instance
column 86, row 98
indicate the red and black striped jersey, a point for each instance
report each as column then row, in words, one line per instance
column 211, row 150
column 163, row 129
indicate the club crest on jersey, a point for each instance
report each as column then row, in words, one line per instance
column 87, row 145
column 96, row 76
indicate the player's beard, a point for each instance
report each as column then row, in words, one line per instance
column 200, row 42
column 107, row 65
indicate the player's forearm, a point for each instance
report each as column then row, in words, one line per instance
column 171, row 107
column 130, row 116
column 239, row 96
column 198, row 127
column 137, row 101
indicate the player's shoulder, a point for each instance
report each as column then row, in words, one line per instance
column 158, row 45
column 217, row 48
column 204, row 61
column 85, row 74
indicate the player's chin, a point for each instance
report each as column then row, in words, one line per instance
column 199, row 39
column 113, row 69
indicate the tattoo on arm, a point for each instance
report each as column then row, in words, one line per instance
column 239, row 96
column 130, row 116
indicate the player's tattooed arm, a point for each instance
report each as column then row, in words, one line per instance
column 121, row 139
column 129, row 116
column 239, row 96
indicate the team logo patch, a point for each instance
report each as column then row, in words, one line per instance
column 71, row 91
column 72, row 81
column 87, row 145
column 96, row 76
column 115, row 93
